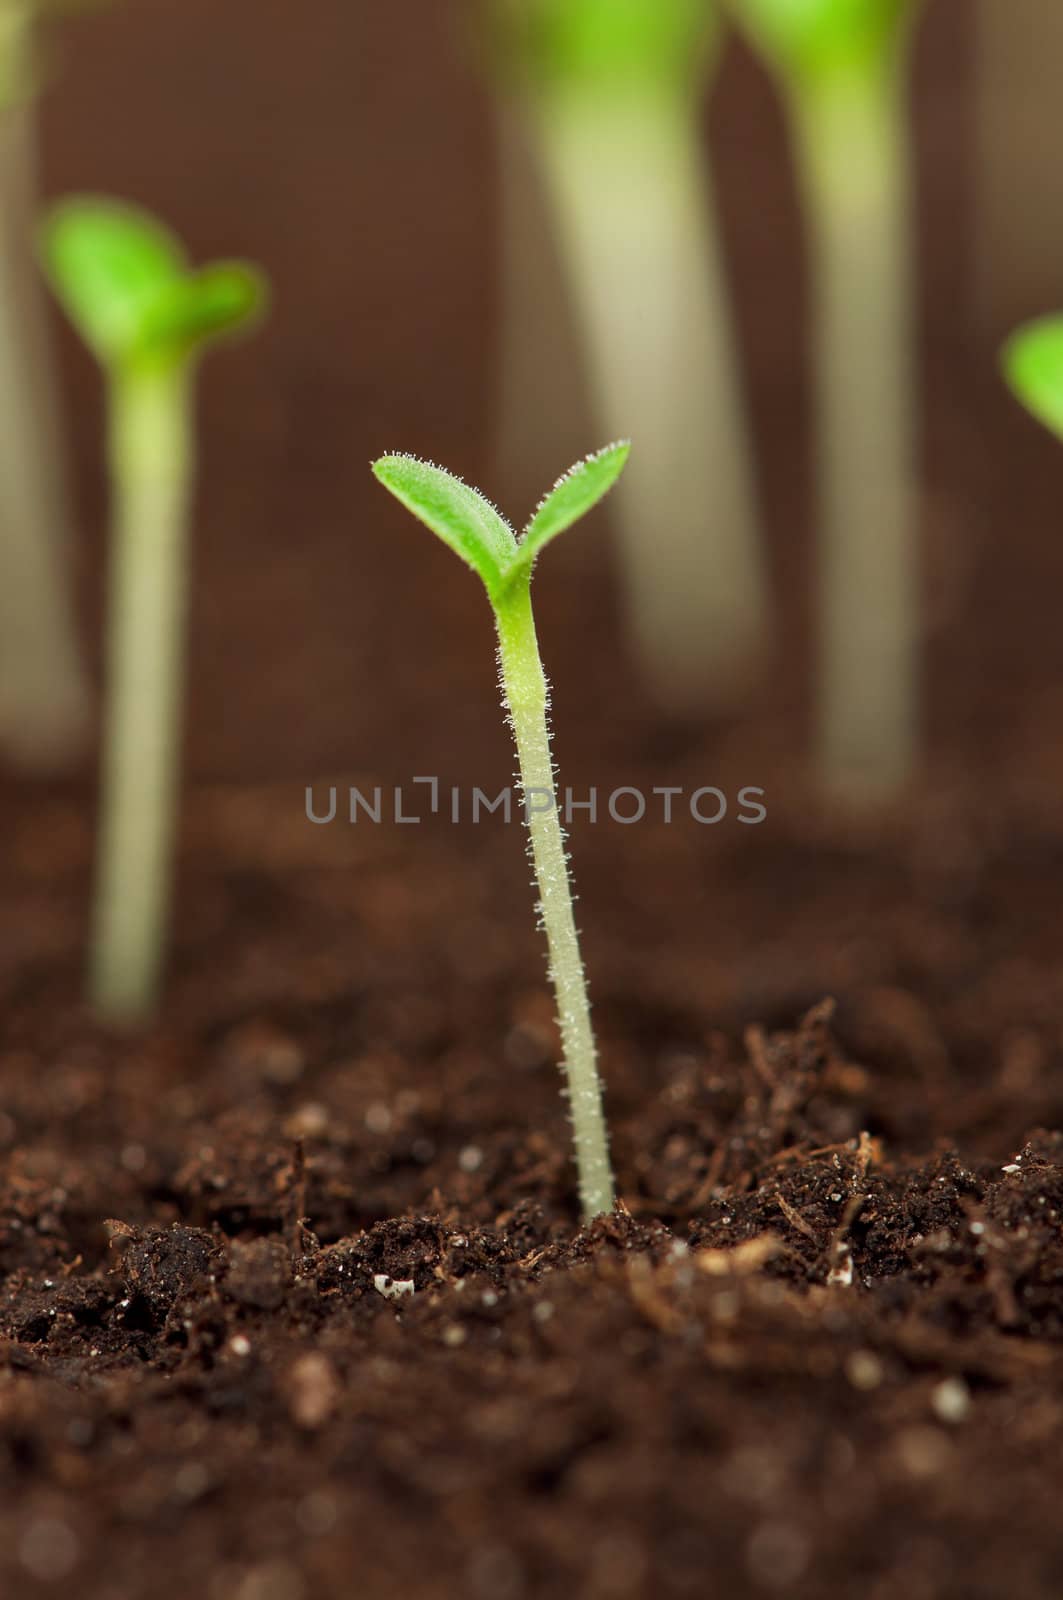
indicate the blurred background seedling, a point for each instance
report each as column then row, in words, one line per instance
column 44, row 696
column 842, row 69
column 124, row 282
column 610, row 94
column 1032, row 361
column 473, row 529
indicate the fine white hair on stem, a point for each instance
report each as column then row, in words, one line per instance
column 527, row 698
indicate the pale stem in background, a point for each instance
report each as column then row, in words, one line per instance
column 853, row 150
column 536, row 416
column 634, row 222
column 43, row 694
column 150, row 459
column 527, row 698
column 1018, row 132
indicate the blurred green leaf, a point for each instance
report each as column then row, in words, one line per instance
column 123, row 280
column 1032, row 360
column 816, row 38
column 597, row 42
column 206, row 304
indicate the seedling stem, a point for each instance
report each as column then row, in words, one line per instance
column 124, row 282
column 853, row 148
column 150, row 452
column 524, row 688
column 841, row 66
column 632, row 199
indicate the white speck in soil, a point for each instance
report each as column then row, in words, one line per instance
column 841, row 1274
column 309, row 1121
column 951, row 1400
column 378, row 1118
column 864, row 1370
column 392, row 1288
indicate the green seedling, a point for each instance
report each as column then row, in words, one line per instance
column 841, row 65
column 44, row 700
column 473, row 529
column 146, row 316
column 610, row 94
column 1032, row 361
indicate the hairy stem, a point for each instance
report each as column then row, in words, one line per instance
column 151, row 460
column 853, row 149
column 525, row 690
column 634, row 219
column 43, row 693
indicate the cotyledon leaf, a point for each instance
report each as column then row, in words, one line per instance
column 475, row 531
column 572, row 496
column 123, row 279
column 458, row 515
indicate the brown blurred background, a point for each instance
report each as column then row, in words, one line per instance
column 351, row 149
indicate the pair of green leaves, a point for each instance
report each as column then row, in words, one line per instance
column 124, row 281
column 474, row 530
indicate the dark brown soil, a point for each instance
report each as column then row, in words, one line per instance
column 294, row 1301
column 339, row 1332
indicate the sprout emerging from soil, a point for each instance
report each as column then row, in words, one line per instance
column 1032, row 360
column 44, row 702
column 841, row 65
column 473, row 529
column 125, row 284
column 611, row 90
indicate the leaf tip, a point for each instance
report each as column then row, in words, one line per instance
column 1031, row 362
